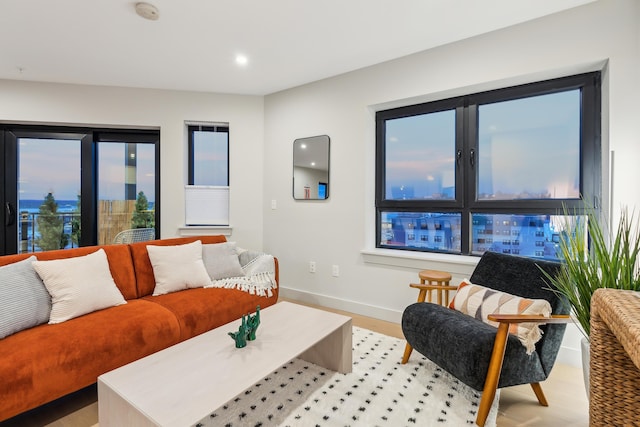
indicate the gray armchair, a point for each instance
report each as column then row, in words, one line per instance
column 478, row 354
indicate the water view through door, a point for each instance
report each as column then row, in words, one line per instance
column 66, row 187
column 48, row 214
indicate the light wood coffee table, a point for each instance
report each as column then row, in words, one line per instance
column 182, row 384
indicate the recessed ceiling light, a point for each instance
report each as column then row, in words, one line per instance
column 147, row 11
column 242, row 59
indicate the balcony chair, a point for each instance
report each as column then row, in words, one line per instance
column 135, row 235
column 478, row 354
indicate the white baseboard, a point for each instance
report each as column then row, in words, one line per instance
column 569, row 356
column 342, row 304
column 566, row 356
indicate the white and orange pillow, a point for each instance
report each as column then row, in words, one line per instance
column 479, row 302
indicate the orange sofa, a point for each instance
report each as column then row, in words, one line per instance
column 43, row 363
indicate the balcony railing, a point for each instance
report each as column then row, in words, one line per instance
column 109, row 225
column 29, row 233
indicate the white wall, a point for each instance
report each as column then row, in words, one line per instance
column 167, row 111
column 601, row 35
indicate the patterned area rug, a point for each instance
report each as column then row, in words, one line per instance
column 379, row 392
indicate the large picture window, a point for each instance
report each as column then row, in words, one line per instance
column 488, row 171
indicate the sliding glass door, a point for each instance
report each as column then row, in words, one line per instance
column 64, row 187
column 126, row 185
column 48, row 193
column 42, row 184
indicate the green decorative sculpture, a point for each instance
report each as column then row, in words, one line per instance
column 240, row 337
column 252, row 323
column 247, row 330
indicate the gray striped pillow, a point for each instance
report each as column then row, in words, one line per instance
column 24, row 300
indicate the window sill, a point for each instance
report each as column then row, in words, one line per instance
column 460, row 265
column 204, row 230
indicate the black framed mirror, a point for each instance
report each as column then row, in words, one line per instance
column 311, row 168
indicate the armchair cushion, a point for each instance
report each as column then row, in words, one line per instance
column 479, row 302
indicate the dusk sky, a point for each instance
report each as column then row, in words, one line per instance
column 515, row 140
column 211, row 159
column 47, row 165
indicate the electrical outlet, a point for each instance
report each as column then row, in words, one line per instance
column 274, row 204
column 312, row 266
column 335, row 270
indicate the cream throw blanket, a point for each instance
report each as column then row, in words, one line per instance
column 260, row 274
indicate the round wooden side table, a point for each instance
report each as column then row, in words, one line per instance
column 431, row 281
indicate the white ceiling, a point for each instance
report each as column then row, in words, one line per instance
column 194, row 43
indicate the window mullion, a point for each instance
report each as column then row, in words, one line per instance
column 8, row 160
column 88, row 190
column 591, row 152
column 468, row 137
column 461, row 157
column 472, row 154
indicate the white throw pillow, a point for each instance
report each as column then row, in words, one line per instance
column 178, row 267
column 78, row 285
column 221, row 260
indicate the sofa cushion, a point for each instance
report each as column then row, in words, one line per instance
column 145, row 280
column 221, row 260
column 49, row 361
column 120, row 263
column 78, row 285
column 199, row 310
column 178, row 267
column 479, row 302
column 24, row 301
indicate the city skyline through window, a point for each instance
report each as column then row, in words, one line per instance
column 490, row 171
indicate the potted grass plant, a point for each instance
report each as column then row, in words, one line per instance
column 595, row 256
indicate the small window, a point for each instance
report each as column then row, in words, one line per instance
column 208, row 155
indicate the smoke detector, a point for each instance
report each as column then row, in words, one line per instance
column 147, row 11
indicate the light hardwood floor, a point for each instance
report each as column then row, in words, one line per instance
column 518, row 406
